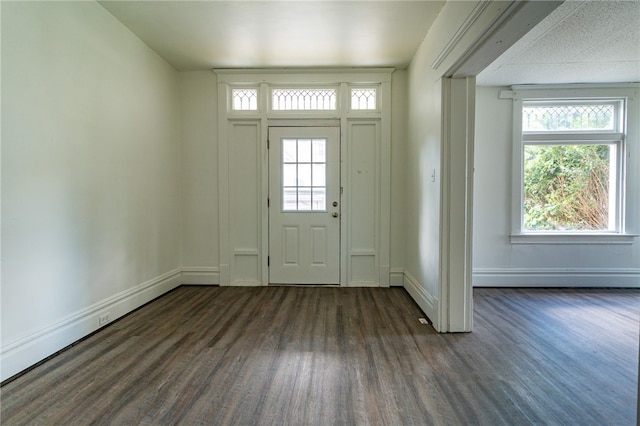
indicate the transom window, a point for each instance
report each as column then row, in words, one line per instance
column 571, row 165
column 363, row 99
column 304, row 175
column 577, row 117
column 244, row 99
column 303, row 99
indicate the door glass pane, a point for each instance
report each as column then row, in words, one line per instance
column 319, row 198
column 304, row 174
column 304, row 151
column 319, row 151
column 289, row 177
column 289, row 150
column 304, row 198
column 319, row 175
column 290, row 198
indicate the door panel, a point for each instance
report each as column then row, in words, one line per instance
column 304, row 211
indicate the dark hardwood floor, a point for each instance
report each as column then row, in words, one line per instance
column 335, row 356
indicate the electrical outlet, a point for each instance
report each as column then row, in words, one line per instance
column 423, row 321
column 103, row 319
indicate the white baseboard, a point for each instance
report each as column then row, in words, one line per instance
column 357, row 284
column 427, row 302
column 556, row 277
column 200, row 275
column 26, row 351
column 396, row 277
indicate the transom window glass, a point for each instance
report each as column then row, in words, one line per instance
column 303, row 99
column 569, row 118
column 244, row 99
column 571, row 156
column 363, row 99
column 304, row 175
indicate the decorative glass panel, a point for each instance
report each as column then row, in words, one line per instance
column 363, row 99
column 244, row 99
column 303, row 99
column 304, row 175
column 563, row 118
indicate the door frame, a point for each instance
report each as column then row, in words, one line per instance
column 242, row 144
column 306, row 123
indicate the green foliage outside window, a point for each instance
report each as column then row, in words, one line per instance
column 566, row 187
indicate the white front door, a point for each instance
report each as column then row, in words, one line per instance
column 304, row 205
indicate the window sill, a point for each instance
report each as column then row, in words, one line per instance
column 540, row 238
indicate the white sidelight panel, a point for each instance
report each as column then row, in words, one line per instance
column 244, row 202
column 364, row 201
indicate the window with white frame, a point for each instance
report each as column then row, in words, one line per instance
column 571, row 165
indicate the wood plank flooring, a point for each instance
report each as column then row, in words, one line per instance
column 336, row 356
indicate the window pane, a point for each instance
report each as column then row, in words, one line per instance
column 303, row 99
column 304, row 174
column 289, row 150
column 289, row 199
column 319, row 196
column 289, row 175
column 319, row 151
column 244, row 99
column 304, row 198
column 563, row 118
column 304, row 151
column 567, row 187
column 363, row 99
column 319, row 175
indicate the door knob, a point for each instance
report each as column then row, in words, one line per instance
column 334, row 214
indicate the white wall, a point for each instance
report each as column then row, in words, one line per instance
column 422, row 252
column 496, row 261
column 453, row 34
column 90, row 175
column 199, row 171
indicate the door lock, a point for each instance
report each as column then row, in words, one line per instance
column 335, row 204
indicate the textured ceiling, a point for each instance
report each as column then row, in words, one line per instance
column 194, row 35
column 580, row 42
